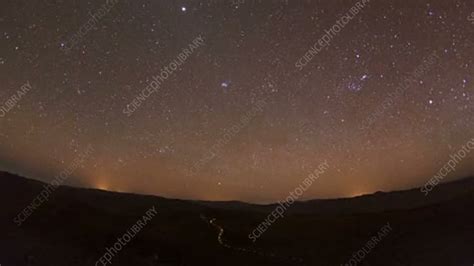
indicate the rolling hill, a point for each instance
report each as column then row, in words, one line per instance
column 76, row 225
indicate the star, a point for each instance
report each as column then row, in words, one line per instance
column 354, row 87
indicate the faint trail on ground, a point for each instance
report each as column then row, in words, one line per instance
column 221, row 242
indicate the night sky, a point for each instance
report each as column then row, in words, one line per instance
column 75, row 86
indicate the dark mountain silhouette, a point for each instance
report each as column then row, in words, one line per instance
column 77, row 225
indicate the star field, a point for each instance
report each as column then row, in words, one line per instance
column 81, row 85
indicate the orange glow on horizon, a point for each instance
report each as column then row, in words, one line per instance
column 101, row 182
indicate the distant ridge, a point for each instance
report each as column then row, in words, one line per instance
column 376, row 202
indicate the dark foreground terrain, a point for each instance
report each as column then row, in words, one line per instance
column 76, row 226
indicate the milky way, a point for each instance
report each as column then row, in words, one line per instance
column 385, row 99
